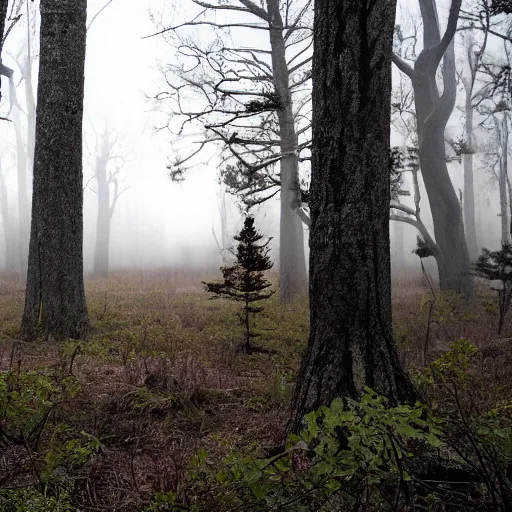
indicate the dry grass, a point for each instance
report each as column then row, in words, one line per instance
column 161, row 377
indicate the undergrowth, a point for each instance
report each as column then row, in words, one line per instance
column 158, row 411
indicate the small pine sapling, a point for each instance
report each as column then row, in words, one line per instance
column 496, row 266
column 245, row 280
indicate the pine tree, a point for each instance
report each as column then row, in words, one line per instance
column 496, row 267
column 245, row 280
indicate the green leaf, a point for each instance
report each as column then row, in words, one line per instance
column 433, row 440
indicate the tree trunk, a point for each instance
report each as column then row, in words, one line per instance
column 21, row 167
column 10, row 257
column 292, row 261
column 351, row 343
column 505, row 227
column 469, row 192
column 501, row 127
column 504, row 157
column 3, row 17
column 101, row 252
column 293, row 281
column 55, row 299
column 432, row 113
column 398, row 262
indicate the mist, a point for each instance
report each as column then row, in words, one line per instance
column 159, row 223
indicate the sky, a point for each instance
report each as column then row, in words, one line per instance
column 121, row 71
column 157, row 222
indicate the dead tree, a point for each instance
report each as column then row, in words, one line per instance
column 23, row 118
column 224, row 242
column 432, row 113
column 482, row 17
column 21, row 173
column 474, row 52
column 495, row 103
column 412, row 215
column 10, row 14
column 501, row 130
column 9, row 238
column 254, row 102
column 108, row 165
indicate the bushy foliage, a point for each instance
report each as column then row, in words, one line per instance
column 350, row 454
column 400, row 161
column 32, row 500
column 26, row 400
column 496, row 266
column 501, row 7
column 423, row 249
column 368, row 455
column 53, row 453
column 448, row 306
column 477, row 438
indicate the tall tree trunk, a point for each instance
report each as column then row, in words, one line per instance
column 55, row 299
column 504, row 157
column 9, row 238
column 292, row 260
column 399, row 253
column 3, row 17
column 21, row 168
column 504, row 214
column 501, row 127
column 101, row 252
column 433, row 113
column 469, row 192
column 351, row 343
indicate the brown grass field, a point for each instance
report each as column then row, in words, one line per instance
column 161, row 377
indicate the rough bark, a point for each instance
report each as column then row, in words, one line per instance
column 9, row 238
column 55, row 299
column 292, row 261
column 3, row 16
column 433, row 112
column 351, row 343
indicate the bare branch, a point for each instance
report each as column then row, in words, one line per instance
column 98, row 13
column 402, row 65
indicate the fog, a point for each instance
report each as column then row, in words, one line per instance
column 157, row 222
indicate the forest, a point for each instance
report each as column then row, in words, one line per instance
column 255, row 255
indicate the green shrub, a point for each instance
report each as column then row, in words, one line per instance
column 477, row 437
column 351, row 452
column 31, row 500
column 26, row 400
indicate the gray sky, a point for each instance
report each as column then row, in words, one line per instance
column 156, row 221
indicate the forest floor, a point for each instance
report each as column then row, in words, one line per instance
column 161, row 376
